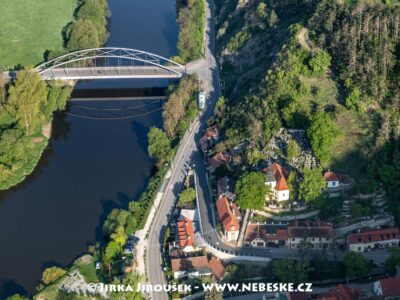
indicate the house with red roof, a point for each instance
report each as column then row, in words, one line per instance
column 262, row 235
column 388, row 288
column 217, row 268
column 228, row 217
column 192, row 267
column 313, row 234
column 218, row 160
column 341, row 292
column 185, row 235
column 332, row 180
column 276, row 177
column 374, row 239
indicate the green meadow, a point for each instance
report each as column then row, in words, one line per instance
column 30, row 27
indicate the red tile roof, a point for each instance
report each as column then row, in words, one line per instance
column 341, row 292
column 330, row 176
column 260, row 231
column 373, row 236
column 390, row 286
column 189, row 263
column 307, row 229
column 217, row 267
column 218, row 159
column 280, row 175
column 185, row 233
column 225, row 214
column 281, row 185
column 211, row 132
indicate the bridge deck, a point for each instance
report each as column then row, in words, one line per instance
column 112, row 72
column 108, row 73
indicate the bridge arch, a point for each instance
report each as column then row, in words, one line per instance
column 111, row 59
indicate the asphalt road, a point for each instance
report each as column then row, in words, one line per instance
column 207, row 71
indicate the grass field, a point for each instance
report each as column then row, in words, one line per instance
column 30, row 27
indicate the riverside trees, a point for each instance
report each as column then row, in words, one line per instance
column 29, row 105
column 89, row 30
column 191, row 20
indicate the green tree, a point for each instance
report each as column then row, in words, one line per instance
column 191, row 21
column 322, row 133
column 312, row 186
column 251, row 191
column 116, row 218
column 214, row 294
column 320, row 63
column 261, row 10
column 187, row 196
column 159, row 145
column 355, row 265
column 58, row 95
column 293, row 150
column 17, row 297
column 97, row 12
column 111, row 253
column 50, row 275
column 131, row 225
column 273, row 18
column 254, row 156
column 27, row 96
column 131, row 279
column 119, row 236
column 393, row 261
column 84, row 35
column 293, row 185
column 353, row 99
column 291, row 270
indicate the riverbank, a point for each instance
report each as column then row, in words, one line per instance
column 24, row 137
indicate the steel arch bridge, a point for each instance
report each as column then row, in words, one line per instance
column 108, row 63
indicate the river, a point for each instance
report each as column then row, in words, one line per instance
column 90, row 166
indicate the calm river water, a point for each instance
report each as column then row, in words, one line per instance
column 90, row 166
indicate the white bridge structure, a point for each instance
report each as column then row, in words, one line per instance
column 108, row 63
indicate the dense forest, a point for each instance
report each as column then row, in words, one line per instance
column 331, row 68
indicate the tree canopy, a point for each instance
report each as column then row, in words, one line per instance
column 187, row 196
column 191, row 20
column 251, row 190
column 322, row 133
column 312, row 186
column 26, row 98
column 355, row 265
column 159, row 146
column 291, row 270
column 50, row 275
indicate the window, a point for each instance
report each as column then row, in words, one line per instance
column 334, row 183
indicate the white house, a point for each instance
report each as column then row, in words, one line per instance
column 192, row 267
column 374, row 239
column 332, row 180
column 276, row 178
column 229, row 216
column 388, row 288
